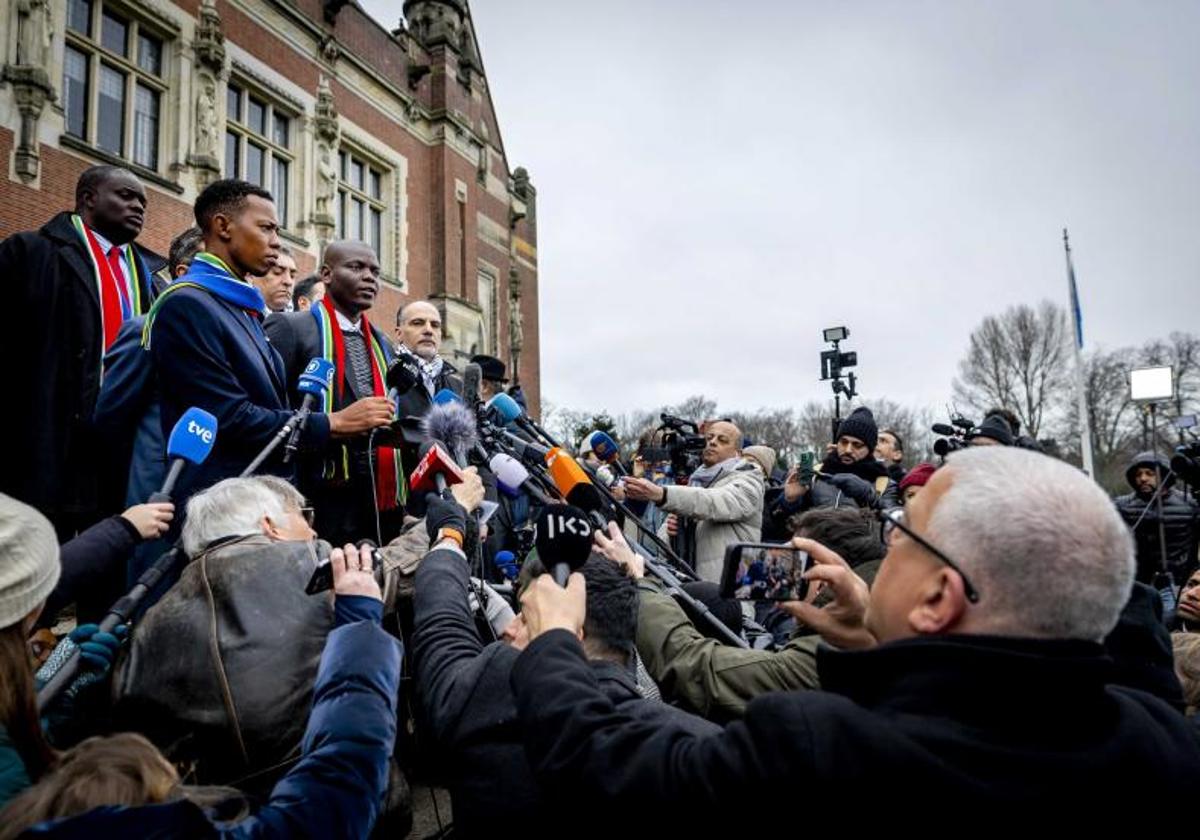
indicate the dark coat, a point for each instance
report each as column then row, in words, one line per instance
column 211, row 354
column 470, row 710
column 863, row 484
column 259, row 622
column 343, row 514
column 93, row 570
column 417, row 401
column 1181, row 525
column 973, row 721
column 336, row 788
column 53, row 342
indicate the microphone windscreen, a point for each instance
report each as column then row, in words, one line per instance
column 445, row 397
column 565, row 472
column 587, row 498
column 193, row 436
column 605, row 447
column 563, row 534
column 505, row 408
column 317, row 377
column 943, row 429
column 506, row 562
column 510, row 473
column 404, row 373
column 453, row 424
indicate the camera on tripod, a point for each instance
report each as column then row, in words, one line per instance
column 682, row 444
column 955, row 435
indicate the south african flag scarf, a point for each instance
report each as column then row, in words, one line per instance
column 390, row 487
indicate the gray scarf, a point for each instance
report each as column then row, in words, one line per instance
column 429, row 370
column 706, row 476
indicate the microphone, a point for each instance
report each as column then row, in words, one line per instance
column 506, row 562
column 445, row 396
column 191, row 440
column 435, row 471
column 577, row 488
column 606, row 450
column 943, row 429
column 512, row 478
column 316, row 380
column 526, row 448
column 563, row 537
column 453, row 424
column 403, row 374
column 506, row 410
column 472, row 379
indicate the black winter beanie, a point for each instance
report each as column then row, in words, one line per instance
column 861, row 424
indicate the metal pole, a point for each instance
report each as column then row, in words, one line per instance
column 1162, row 528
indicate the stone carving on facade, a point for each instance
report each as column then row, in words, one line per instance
column 30, row 81
column 516, row 332
column 330, row 50
column 325, row 127
column 209, row 45
column 208, row 49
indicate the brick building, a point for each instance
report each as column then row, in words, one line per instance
column 360, row 133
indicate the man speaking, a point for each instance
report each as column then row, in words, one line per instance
column 210, row 350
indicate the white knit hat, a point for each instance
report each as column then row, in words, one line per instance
column 29, row 565
column 763, row 455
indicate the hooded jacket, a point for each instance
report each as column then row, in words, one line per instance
column 1181, row 520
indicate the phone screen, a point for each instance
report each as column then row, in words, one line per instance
column 757, row 572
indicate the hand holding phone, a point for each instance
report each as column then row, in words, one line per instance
column 765, row 572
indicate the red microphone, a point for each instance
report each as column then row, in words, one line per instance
column 436, row 470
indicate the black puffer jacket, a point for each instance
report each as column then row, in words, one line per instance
column 864, row 484
column 1181, row 520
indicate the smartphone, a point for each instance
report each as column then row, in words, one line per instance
column 807, row 467
column 764, row 572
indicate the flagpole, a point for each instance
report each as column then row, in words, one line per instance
column 1085, row 421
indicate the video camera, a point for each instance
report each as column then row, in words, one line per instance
column 1186, row 464
column 682, row 445
column 955, row 435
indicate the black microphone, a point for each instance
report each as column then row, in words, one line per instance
column 404, row 373
column 314, row 382
column 563, row 537
column 943, row 429
column 472, row 379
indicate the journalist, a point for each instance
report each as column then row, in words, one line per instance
column 463, row 683
column 723, row 500
column 1180, row 520
column 973, row 672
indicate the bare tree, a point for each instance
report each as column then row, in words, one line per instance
column 1182, row 352
column 773, row 427
column 1018, row 360
column 912, row 424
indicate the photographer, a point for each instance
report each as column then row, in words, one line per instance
column 849, row 475
column 464, row 690
column 717, row 681
column 723, row 498
column 978, row 677
column 1180, row 520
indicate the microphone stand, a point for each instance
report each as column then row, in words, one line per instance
column 675, row 588
column 296, row 421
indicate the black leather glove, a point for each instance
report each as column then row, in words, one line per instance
column 444, row 513
column 855, row 488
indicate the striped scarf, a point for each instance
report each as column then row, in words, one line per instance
column 390, row 487
column 210, row 273
column 119, row 300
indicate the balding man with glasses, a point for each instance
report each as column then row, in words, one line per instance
column 971, row 674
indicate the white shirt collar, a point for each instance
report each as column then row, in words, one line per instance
column 345, row 323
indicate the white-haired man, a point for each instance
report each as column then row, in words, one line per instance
column 980, row 681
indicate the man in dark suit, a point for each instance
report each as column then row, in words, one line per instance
column 348, row 482
column 68, row 288
column 210, row 351
column 419, row 334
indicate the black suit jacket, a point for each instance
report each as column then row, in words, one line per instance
column 51, row 343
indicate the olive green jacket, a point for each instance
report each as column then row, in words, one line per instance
column 704, row 676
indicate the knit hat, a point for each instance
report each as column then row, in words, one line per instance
column 995, row 427
column 861, row 424
column 29, row 566
column 764, row 456
column 918, row 476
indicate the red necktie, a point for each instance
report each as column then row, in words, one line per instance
column 114, row 262
column 110, row 297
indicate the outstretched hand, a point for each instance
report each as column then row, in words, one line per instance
column 547, row 606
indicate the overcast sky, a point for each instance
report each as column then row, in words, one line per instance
column 717, row 182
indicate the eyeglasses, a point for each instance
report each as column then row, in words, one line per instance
column 891, row 520
column 309, row 515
